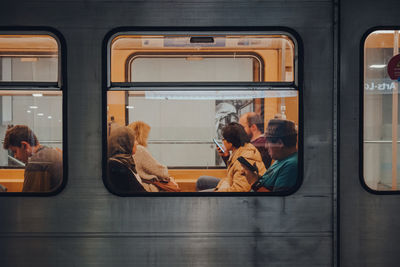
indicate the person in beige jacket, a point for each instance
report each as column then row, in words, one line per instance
column 236, row 142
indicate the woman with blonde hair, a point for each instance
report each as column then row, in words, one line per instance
column 148, row 168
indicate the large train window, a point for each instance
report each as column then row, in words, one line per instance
column 180, row 95
column 381, row 113
column 31, row 118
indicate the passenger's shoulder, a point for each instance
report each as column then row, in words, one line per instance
column 251, row 152
column 47, row 153
column 141, row 150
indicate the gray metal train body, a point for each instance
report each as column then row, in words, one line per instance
column 331, row 220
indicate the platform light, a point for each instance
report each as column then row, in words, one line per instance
column 130, row 107
column 28, row 111
column 37, row 94
column 377, row 66
column 33, row 107
column 40, row 114
column 49, row 117
column 383, row 32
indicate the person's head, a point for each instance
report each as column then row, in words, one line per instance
column 252, row 124
column 21, row 140
column 234, row 135
column 281, row 138
column 141, row 131
column 121, row 141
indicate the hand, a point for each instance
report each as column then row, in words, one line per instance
column 251, row 177
column 222, row 154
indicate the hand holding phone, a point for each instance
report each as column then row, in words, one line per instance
column 247, row 164
column 218, row 145
column 249, row 171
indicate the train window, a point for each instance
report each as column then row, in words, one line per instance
column 180, row 96
column 28, row 58
column 381, row 113
column 30, row 115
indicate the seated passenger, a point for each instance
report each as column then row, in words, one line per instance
column 148, row 168
column 235, row 141
column 254, row 127
column 43, row 169
column 281, row 143
column 122, row 177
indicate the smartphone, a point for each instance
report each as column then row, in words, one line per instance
column 218, row 145
column 247, row 164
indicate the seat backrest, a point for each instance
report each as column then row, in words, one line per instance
column 121, row 179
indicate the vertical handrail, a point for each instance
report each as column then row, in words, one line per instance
column 395, row 113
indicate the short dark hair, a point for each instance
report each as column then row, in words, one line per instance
column 235, row 134
column 254, row 118
column 284, row 130
column 15, row 135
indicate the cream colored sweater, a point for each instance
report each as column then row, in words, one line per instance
column 148, row 167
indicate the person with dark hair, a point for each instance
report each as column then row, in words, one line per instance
column 254, row 127
column 43, row 165
column 281, row 143
column 236, row 142
column 111, row 125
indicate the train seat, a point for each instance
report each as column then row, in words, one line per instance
column 186, row 178
column 12, row 179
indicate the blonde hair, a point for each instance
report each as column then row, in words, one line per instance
column 141, row 131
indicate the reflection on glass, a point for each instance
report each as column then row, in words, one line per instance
column 381, row 112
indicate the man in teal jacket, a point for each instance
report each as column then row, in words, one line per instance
column 281, row 144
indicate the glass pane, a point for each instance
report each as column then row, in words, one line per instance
column 184, row 123
column 381, row 113
column 199, row 58
column 26, row 164
column 28, row 58
column 199, row 70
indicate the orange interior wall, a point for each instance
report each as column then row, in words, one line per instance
column 116, row 106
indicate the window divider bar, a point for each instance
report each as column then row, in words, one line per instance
column 43, row 86
column 200, row 86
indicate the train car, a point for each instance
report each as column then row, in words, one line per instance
column 75, row 71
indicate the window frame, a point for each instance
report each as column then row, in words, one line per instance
column 362, row 110
column 59, row 85
column 108, row 85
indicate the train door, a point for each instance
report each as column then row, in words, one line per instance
column 368, row 120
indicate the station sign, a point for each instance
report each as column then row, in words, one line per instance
column 379, row 86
